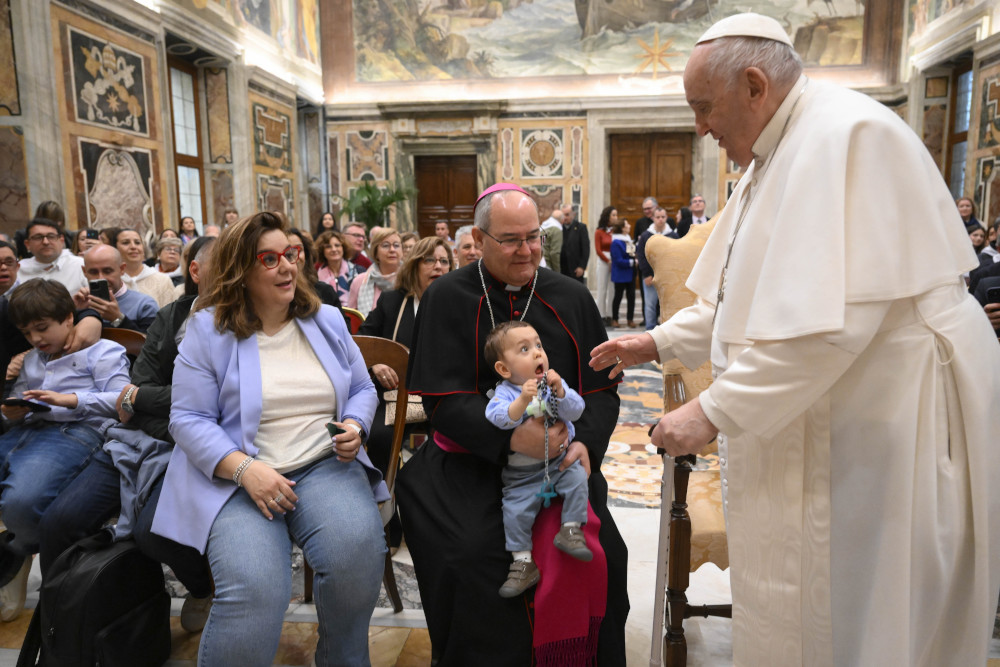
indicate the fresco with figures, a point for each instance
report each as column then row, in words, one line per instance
column 294, row 24
column 415, row 40
column 924, row 12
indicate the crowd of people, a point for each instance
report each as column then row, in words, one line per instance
column 216, row 458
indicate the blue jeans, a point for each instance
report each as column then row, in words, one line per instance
column 337, row 524
column 90, row 499
column 650, row 305
column 39, row 461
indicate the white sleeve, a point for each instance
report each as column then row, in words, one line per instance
column 771, row 383
column 687, row 336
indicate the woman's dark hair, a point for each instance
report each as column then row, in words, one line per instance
column 53, row 211
column 308, row 254
column 227, row 290
column 605, row 219
column 191, row 254
column 319, row 223
column 112, row 234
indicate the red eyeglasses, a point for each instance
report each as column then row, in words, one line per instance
column 271, row 258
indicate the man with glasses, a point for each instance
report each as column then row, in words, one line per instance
column 51, row 260
column 357, row 237
column 450, row 491
column 649, row 204
column 698, row 215
column 8, row 267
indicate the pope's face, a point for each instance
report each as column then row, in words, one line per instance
column 512, row 216
column 719, row 109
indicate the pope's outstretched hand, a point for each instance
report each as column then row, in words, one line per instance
column 623, row 352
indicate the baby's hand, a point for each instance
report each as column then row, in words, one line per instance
column 555, row 383
column 530, row 388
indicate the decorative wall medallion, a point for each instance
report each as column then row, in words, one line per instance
column 541, row 153
column 108, row 83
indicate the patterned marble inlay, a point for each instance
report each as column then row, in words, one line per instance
column 222, row 193
column 14, row 210
column 10, row 102
column 507, row 153
column 367, row 154
column 220, row 150
column 934, row 124
column 272, row 141
column 274, row 194
column 541, row 153
column 989, row 115
column 118, row 185
column 333, row 162
column 108, row 84
column 576, row 152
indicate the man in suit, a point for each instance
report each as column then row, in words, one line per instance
column 698, row 214
column 575, row 247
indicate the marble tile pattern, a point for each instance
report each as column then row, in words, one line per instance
column 119, row 186
column 367, row 153
column 222, row 193
column 10, row 102
column 272, row 143
column 934, row 127
column 507, row 154
column 220, row 149
column 14, row 207
column 108, row 83
column 333, row 160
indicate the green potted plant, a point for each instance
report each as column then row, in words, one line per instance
column 369, row 204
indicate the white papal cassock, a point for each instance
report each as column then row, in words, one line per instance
column 858, row 390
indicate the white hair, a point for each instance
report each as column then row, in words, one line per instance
column 732, row 55
column 462, row 231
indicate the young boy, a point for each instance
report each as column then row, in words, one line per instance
column 516, row 353
column 72, row 397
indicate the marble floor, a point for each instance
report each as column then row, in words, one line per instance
column 633, row 472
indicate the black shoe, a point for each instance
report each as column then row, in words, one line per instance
column 10, row 563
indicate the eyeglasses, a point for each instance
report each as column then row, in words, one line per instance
column 391, row 246
column 8, row 263
column 357, row 235
column 431, row 261
column 534, row 240
column 38, row 238
column 271, row 258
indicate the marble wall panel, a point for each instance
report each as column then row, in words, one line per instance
column 107, row 83
column 118, row 185
column 14, row 207
column 934, row 124
column 542, row 153
column 220, row 147
column 367, row 154
column 989, row 111
column 274, row 194
column 546, row 156
column 507, row 153
column 10, row 101
column 222, row 194
column 273, row 125
column 272, row 132
column 984, row 140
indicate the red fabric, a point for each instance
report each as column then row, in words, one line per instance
column 449, row 445
column 602, row 244
column 571, row 597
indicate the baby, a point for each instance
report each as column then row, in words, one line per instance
column 531, row 389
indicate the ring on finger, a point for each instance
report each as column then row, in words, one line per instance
column 278, row 498
column 618, row 360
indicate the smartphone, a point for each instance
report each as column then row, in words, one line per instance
column 334, row 430
column 31, row 405
column 99, row 288
column 993, row 295
column 91, row 234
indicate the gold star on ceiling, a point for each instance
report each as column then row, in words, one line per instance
column 655, row 55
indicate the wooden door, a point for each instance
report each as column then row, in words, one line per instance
column 447, row 191
column 650, row 165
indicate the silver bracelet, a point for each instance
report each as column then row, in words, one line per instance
column 240, row 469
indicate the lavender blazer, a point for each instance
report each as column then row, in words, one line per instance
column 216, row 408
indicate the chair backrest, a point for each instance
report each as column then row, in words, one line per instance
column 354, row 320
column 396, row 356
column 131, row 340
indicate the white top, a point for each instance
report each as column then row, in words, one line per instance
column 67, row 269
column 154, row 283
column 298, row 400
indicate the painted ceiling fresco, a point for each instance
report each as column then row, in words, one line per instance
column 419, row 40
column 294, row 24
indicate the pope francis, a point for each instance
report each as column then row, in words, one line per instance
column 857, row 384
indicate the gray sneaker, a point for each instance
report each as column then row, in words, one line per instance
column 194, row 613
column 522, row 576
column 570, row 540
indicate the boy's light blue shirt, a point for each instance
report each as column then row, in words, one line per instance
column 96, row 374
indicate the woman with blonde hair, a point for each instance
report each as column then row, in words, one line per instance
column 262, row 372
column 386, row 251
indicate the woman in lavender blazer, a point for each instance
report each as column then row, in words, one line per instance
column 261, row 370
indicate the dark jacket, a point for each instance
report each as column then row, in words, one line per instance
column 382, row 319
column 575, row 249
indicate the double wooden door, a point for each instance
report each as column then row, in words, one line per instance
column 650, row 165
column 447, row 191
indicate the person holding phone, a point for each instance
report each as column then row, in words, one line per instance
column 262, row 369
column 106, row 293
column 48, row 446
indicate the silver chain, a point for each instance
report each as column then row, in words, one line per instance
column 482, row 281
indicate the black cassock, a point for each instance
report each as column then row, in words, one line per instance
column 450, row 503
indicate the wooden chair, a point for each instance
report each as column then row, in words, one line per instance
column 396, row 356
column 131, row 340
column 354, row 319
